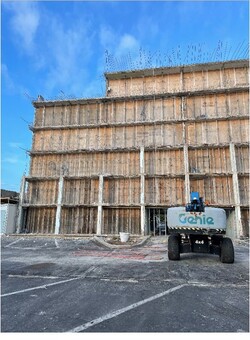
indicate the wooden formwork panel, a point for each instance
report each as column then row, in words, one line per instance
column 228, row 77
column 209, row 106
column 114, row 86
column 48, row 118
column 113, row 112
column 145, row 85
column 171, row 109
column 215, row 190
column 59, row 115
column 239, row 131
column 149, row 85
column 108, row 138
column 121, row 191
column 217, row 132
column 214, row 79
column 244, row 190
column 215, row 160
column 242, row 76
column 90, row 114
column 242, row 159
column 129, row 113
column 222, row 105
column 167, row 83
column 78, row 220
column 136, row 86
column 164, row 162
column 39, row 116
column 40, row 220
column 163, row 109
column 42, row 192
column 194, row 81
column 188, row 81
column 245, row 221
column 86, row 164
column 80, row 191
column 238, row 104
column 217, row 106
column 161, row 84
column 167, row 191
column 121, row 219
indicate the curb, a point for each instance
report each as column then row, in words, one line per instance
column 100, row 241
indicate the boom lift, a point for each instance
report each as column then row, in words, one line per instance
column 199, row 229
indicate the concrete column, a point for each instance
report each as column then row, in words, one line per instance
column 19, row 224
column 99, row 211
column 238, row 230
column 186, row 170
column 59, row 205
column 142, row 196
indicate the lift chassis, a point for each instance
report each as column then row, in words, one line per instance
column 199, row 229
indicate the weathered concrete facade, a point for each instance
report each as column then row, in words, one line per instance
column 111, row 164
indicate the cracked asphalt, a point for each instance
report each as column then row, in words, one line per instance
column 78, row 285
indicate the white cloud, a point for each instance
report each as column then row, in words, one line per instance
column 116, row 44
column 24, row 22
column 127, row 43
column 8, row 82
column 11, row 160
column 107, row 37
column 69, row 50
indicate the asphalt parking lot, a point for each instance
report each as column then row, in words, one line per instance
column 77, row 285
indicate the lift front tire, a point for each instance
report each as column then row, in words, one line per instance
column 174, row 247
column 227, row 251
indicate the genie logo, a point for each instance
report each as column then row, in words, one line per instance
column 195, row 219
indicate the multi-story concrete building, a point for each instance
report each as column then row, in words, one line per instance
column 104, row 165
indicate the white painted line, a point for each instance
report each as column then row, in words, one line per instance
column 123, row 310
column 121, row 280
column 34, row 276
column 14, row 242
column 49, row 284
column 39, row 287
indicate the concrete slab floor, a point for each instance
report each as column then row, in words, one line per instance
column 75, row 285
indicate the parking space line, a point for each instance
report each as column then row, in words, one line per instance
column 14, row 242
column 123, row 310
column 49, row 284
column 39, row 287
column 33, row 277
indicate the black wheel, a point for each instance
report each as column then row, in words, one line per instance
column 216, row 239
column 174, row 247
column 227, row 251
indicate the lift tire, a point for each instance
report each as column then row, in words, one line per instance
column 227, row 251
column 174, row 247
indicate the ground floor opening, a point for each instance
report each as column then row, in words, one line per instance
column 156, row 221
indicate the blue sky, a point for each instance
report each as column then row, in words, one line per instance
column 58, row 48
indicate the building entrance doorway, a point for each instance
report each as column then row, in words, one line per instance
column 157, row 221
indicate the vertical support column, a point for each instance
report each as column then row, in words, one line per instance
column 59, row 205
column 185, row 153
column 20, row 206
column 142, row 196
column 186, row 170
column 99, row 211
column 238, row 230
